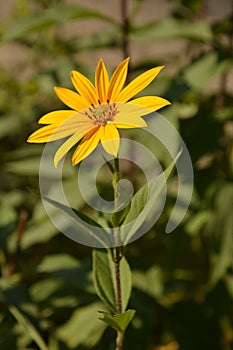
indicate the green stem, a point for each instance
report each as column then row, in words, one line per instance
column 119, row 341
column 118, row 253
column 116, row 178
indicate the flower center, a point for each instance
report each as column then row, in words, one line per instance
column 102, row 113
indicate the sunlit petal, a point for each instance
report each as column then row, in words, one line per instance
column 49, row 133
column 58, row 131
column 129, row 110
column 117, row 80
column 56, row 117
column 71, row 98
column 84, row 87
column 110, row 139
column 101, row 81
column 138, row 84
column 88, row 144
column 137, row 122
column 151, row 102
column 68, row 144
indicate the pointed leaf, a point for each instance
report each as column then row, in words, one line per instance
column 142, row 204
column 102, row 275
column 83, row 221
column 61, row 13
column 104, row 279
column 118, row 322
column 30, row 328
column 126, row 282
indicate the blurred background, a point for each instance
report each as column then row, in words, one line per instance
column 182, row 282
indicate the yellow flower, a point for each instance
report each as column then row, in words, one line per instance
column 97, row 111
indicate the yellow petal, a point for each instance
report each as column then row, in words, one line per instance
column 129, row 116
column 152, row 102
column 126, row 111
column 58, row 131
column 68, row 144
column 71, row 98
column 84, row 87
column 49, row 133
column 56, row 117
column 137, row 123
column 138, row 84
column 117, row 80
column 110, row 138
column 88, row 144
column 101, row 81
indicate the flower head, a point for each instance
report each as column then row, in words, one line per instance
column 98, row 111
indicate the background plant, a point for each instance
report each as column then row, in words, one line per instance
column 182, row 283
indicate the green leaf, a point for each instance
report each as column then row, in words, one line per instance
column 219, row 228
column 222, row 261
column 218, row 231
column 83, row 222
column 141, row 204
column 150, row 282
column 126, row 282
column 32, row 331
column 102, row 274
column 104, row 279
column 27, row 25
column 63, row 13
column 69, row 271
column 118, row 322
column 24, row 167
column 58, row 14
column 119, row 216
column 202, row 71
column 44, row 289
column 197, row 222
column 42, row 233
column 40, row 229
column 171, row 28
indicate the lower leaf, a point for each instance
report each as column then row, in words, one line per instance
column 117, row 322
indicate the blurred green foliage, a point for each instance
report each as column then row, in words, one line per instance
column 182, row 282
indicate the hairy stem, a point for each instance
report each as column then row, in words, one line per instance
column 118, row 253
